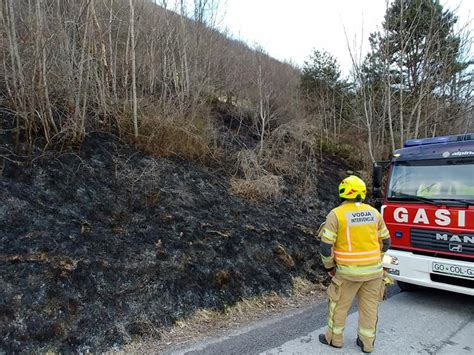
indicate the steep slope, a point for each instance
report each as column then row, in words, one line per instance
column 105, row 244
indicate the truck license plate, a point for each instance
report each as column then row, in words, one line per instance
column 451, row 269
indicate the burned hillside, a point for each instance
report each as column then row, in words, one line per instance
column 104, row 244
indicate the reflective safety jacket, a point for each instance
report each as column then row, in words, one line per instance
column 446, row 189
column 355, row 231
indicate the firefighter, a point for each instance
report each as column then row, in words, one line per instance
column 429, row 190
column 353, row 240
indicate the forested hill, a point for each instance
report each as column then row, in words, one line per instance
column 150, row 75
column 132, row 68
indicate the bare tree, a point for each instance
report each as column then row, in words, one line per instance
column 134, row 75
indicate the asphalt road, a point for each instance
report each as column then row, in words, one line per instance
column 427, row 321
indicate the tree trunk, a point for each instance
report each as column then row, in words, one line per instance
column 134, row 78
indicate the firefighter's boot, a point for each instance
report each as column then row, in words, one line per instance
column 361, row 346
column 323, row 340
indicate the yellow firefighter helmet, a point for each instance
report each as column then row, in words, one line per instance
column 352, row 188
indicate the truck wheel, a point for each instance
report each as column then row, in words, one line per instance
column 406, row 287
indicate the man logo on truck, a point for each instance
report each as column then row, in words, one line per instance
column 455, row 247
column 455, row 238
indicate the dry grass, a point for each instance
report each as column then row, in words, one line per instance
column 293, row 152
column 264, row 188
column 257, row 184
column 167, row 130
column 188, row 138
column 283, row 256
column 207, row 322
column 250, row 165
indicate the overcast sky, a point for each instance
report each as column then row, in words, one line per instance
column 290, row 29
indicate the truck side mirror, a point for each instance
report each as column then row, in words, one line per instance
column 377, row 180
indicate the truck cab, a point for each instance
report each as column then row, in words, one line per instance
column 428, row 206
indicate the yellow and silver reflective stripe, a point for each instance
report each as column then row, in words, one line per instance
column 330, row 235
column 376, row 257
column 326, row 259
column 356, row 252
column 344, row 257
column 366, row 332
column 332, row 307
column 348, row 236
column 336, row 330
column 359, row 270
column 332, row 328
column 385, row 233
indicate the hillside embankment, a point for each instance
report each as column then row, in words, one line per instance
column 102, row 244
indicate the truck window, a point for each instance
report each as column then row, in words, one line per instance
column 435, row 179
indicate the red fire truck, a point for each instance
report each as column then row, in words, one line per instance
column 428, row 206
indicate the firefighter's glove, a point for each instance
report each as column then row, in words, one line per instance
column 387, row 281
column 331, row 272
